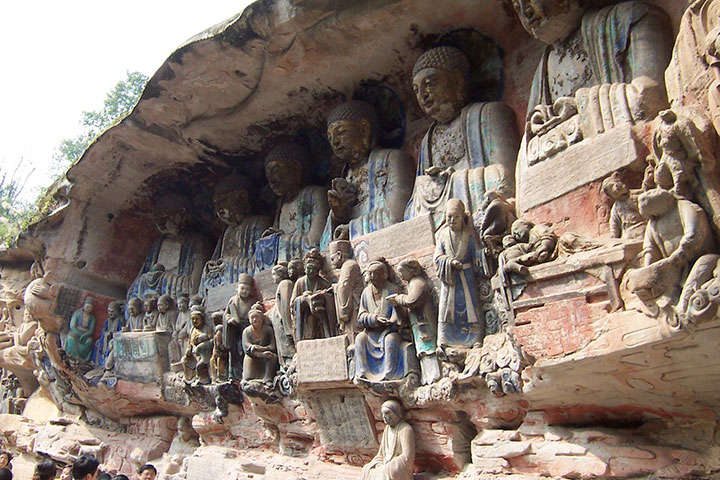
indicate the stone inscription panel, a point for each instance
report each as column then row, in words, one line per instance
column 343, row 420
column 141, row 356
column 322, row 361
column 67, row 302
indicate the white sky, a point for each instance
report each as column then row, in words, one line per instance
column 61, row 58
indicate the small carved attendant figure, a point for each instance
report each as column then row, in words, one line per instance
column 348, row 287
column 423, row 317
column 135, row 314
column 313, row 305
column 261, row 361
column 458, row 262
column 181, row 330
column 219, row 359
column 380, row 351
column 625, row 219
column 280, row 316
column 166, row 314
column 80, row 337
column 151, row 314
column 295, row 268
column 114, row 323
column 235, row 320
column 197, row 356
column 675, row 149
column 394, row 460
column 528, row 245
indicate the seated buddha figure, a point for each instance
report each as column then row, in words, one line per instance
column 302, row 211
column 235, row 251
column 175, row 262
column 470, row 148
column 377, row 182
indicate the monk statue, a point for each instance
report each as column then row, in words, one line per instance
column 470, row 149
column 349, row 286
column 302, row 211
column 235, row 252
column 377, row 182
column 235, row 320
column 312, row 301
column 150, row 317
column 258, row 342
column 281, row 316
column 113, row 324
column 196, row 361
column 175, row 262
column 167, row 315
column 458, row 261
column 79, row 343
column 135, row 315
column 181, row 330
column 381, row 353
column 394, row 460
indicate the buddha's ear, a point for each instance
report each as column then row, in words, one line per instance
column 460, row 84
column 366, row 131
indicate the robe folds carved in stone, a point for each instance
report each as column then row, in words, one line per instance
column 395, row 456
column 460, row 320
column 79, row 343
column 380, row 351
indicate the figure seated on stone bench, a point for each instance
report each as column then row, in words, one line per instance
column 394, row 460
column 258, row 342
column 79, row 342
column 312, row 302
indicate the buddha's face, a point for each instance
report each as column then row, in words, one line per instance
column 389, row 417
column 171, row 221
column 455, row 218
column 183, row 304
column 550, row 21
column 284, row 178
column 350, row 140
column 440, row 93
column 243, row 290
column 231, row 207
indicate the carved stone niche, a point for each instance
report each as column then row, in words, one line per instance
column 141, row 356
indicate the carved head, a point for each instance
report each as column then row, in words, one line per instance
column 283, row 168
column 313, row 263
column 614, row 187
column 295, row 268
column 455, row 215
column 134, row 306
column 550, row 21
column 172, row 213
column 280, row 271
column 391, row 411
column 233, row 198
column 409, row 269
column 185, row 430
column 165, row 303
column 257, row 315
column 351, row 129
column 88, row 305
column 520, row 230
column 377, row 272
column 340, row 250
column 656, row 202
column 113, row 310
column 150, row 304
column 197, row 317
column 244, row 288
column 440, row 79
column 183, row 302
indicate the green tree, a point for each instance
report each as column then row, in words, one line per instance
column 15, row 215
column 118, row 103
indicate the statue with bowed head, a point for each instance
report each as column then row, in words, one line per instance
column 394, row 460
column 261, row 360
column 312, row 300
column 235, row 252
column 302, row 211
column 470, row 149
column 79, row 343
column 377, row 182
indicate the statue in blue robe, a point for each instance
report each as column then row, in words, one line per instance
column 114, row 323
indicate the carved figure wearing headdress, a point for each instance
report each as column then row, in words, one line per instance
column 281, row 316
column 470, row 149
column 625, row 218
column 135, row 314
column 301, row 213
column 458, row 260
column 312, row 300
column 150, row 316
column 395, row 458
column 113, row 323
column 422, row 315
column 235, row 252
column 381, row 353
column 181, row 330
column 196, row 360
column 235, row 320
column 175, row 262
column 258, row 342
column 377, row 182
column 79, row 342
column 349, row 286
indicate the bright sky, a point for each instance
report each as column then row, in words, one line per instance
column 61, row 58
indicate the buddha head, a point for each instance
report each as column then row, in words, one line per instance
column 172, row 213
column 244, row 288
column 455, row 215
column 550, row 21
column 351, row 130
column 280, row 271
column 233, row 198
column 283, row 168
column 313, row 263
column 440, row 79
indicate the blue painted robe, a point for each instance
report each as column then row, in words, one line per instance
column 380, row 351
column 100, row 353
column 460, row 320
column 79, row 343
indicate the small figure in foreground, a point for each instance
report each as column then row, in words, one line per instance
column 394, row 460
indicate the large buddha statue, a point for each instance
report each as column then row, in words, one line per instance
column 302, row 211
column 175, row 262
column 470, row 149
column 235, row 251
column 377, row 182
